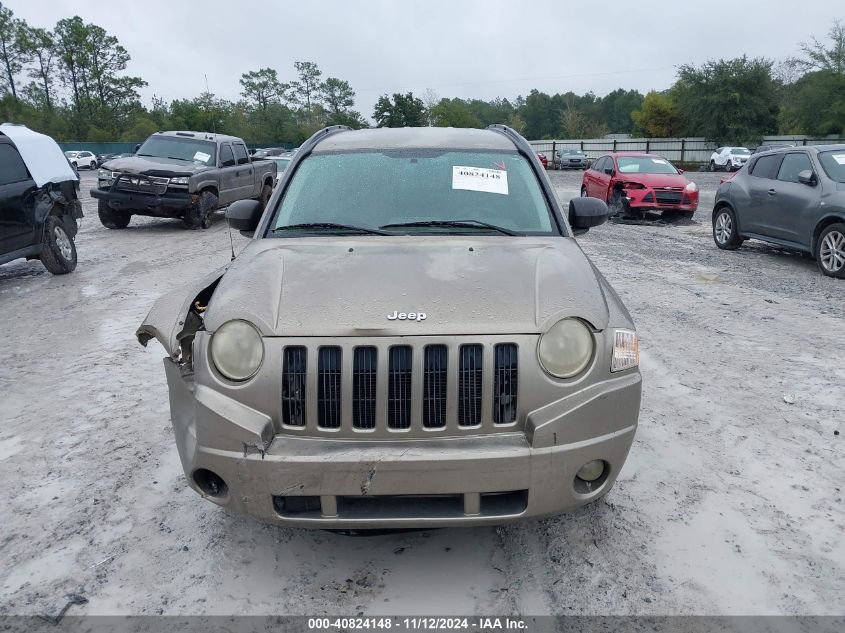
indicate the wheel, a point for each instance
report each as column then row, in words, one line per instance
column 583, row 192
column 110, row 218
column 92, row 165
column 264, row 198
column 725, row 230
column 712, row 165
column 830, row 250
column 616, row 205
column 58, row 252
column 199, row 214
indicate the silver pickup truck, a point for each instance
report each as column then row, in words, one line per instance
column 181, row 175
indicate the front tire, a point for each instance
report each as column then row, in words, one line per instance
column 830, row 250
column 58, row 252
column 199, row 214
column 712, row 165
column 583, row 192
column 110, row 218
column 725, row 229
column 264, row 198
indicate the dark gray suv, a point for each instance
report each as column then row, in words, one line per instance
column 794, row 197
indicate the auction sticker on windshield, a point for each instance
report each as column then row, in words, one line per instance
column 480, row 179
column 202, row 156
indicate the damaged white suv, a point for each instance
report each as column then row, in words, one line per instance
column 412, row 338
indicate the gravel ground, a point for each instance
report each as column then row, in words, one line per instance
column 730, row 502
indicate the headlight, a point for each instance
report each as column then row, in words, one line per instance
column 104, row 174
column 626, row 350
column 237, row 350
column 691, row 187
column 566, row 349
column 181, row 180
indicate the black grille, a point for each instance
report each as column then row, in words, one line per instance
column 505, row 382
column 399, row 387
column 328, row 388
column 364, row 366
column 293, row 386
column 668, row 197
column 142, row 184
column 434, row 386
column 470, row 371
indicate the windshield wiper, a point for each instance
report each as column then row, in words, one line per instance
column 329, row 226
column 461, row 224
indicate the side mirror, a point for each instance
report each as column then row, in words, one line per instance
column 807, row 177
column 610, row 171
column 680, row 171
column 244, row 215
column 585, row 213
column 137, row 147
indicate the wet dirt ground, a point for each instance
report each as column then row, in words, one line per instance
column 731, row 501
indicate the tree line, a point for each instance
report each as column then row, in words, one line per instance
column 71, row 83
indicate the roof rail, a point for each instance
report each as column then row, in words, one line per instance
column 320, row 135
column 515, row 137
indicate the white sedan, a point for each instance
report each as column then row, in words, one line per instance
column 729, row 158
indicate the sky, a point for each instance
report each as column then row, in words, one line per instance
column 457, row 48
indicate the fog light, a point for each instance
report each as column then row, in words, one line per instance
column 591, row 470
column 210, row 483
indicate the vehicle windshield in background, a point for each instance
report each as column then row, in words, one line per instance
column 71, row 154
column 281, row 163
column 741, row 151
column 571, row 152
column 188, row 150
column 374, row 189
column 833, row 164
column 645, row 165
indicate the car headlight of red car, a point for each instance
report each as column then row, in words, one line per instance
column 691, row 187
column 633, row 185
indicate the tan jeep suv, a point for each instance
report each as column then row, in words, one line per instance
column 412, row 338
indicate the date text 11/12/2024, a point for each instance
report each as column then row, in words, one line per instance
column 478, row 624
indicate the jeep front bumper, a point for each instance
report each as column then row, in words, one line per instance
column 233, row 457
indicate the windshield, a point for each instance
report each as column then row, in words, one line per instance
column 71, row 154
column 185, row 149
column 740, row 151
column 372, row 189
column 645, row 165
column 572, row 152
column 833, row 164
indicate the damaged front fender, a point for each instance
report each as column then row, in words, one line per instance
column 175, row 318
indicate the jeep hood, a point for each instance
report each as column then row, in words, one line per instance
column 331, row 286
column 154, row 166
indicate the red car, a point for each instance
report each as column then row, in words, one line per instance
column 632, row 183
column 543, row 160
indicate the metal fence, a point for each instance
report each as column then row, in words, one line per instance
column 680, row 150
